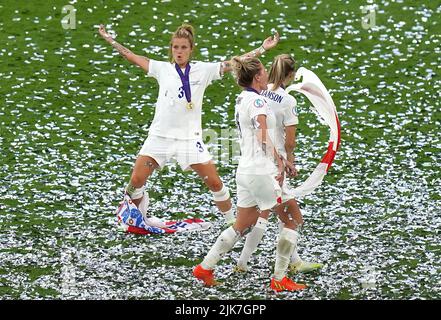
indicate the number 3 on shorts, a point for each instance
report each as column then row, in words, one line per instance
column 199, row 146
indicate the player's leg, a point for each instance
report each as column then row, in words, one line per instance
column 266, row 192
column 221, row 194
column 252, row 241
column 246, row 218
column 286, row 243
column 295, row 219
column 143, row 168
column 154, row 153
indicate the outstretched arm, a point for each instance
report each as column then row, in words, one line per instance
column 267, row 44
column 140, row 61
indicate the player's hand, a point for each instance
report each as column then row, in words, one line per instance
column 280, row 178
column 281, row 174
column 103, row 33
column 290, row 169
column 271, row 41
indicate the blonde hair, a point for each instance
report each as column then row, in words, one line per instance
column 283, row 65
column 245, row 69
column 185, row 31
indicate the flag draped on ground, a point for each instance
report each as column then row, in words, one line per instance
column 131, row 220
column 322, row 103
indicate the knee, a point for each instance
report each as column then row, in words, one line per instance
column 298, row 218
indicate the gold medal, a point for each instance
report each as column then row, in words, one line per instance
column 190, row 105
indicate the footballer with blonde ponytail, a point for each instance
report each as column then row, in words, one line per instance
column 244, row 69
column 176, row 129
column 284, row 107
column 282, row 71
column 259, row 177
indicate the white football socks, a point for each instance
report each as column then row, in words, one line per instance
column 252, row 241
column 223, row 244
column 229, row 216
column 143, row 206
column 295, row 258
column 287, row 241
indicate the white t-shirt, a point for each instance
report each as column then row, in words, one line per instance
column 284, row 107
column 172, row 118
column 249, row 105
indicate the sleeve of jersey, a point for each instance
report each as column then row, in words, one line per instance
column 290, row 116
column 213, row 71
column 154, row 69
column 258, row 107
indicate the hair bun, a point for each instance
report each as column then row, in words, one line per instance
column 186, row 27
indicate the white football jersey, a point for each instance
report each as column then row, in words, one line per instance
column 172, row 117
column 284, row 107
column 253, row 160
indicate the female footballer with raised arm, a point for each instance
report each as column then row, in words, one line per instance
column 259, row 177
column 176, row 130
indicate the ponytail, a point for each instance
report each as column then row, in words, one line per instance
column 283, row 65
column 245, row 69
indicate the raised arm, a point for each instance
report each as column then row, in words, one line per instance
column 267, row 44
column 140, row 61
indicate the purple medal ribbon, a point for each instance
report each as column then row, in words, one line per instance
column 185, row 79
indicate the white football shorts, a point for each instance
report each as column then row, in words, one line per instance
column 185, row 152
column 286, row 192
column 257, row 190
